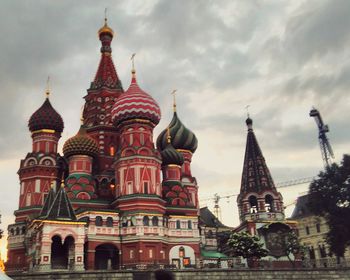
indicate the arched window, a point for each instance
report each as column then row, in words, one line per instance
column 253, row 203
column 17, row 231
column 98, row 221
column 269, row 207
column 146, row 221
column 109, row 222
column 12, row 231
column 155, row 221
column 178, row 224
column 23, row 230
column 145, row 187
column 189, row 224
column 111, row 151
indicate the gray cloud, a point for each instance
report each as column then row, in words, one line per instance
column 279, row 57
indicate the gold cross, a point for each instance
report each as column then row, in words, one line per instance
column 174, row 97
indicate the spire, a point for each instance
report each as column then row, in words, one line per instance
column 61, row 208
column 106, row 75
column 48, row 203
column 174, row 99
column 133, row 71
column 47, row 91
column 256, row 175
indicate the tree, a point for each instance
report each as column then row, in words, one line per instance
column 246, row 246
column 292, row 246
column 329, row 196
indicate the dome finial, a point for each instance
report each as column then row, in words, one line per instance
column 47, row 91
column 249, row 121
column 133, row 71
column 105, row 28
column 247, row 109
column 174, row 99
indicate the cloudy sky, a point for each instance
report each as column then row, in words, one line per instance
column 279, row 57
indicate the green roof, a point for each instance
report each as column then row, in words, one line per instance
column 212, row 254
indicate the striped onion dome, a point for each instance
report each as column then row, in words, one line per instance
column 46, row 117
column 80, row 144
column 181, row 137
column 135, row 104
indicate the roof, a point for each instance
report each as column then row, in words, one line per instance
column 46, row 117
column 106, row 75
column 48, row 203
column 207, row 218
column 212, row 254
column 181, row 137
column 61, row 208
column 256, row 175
column 301, row 208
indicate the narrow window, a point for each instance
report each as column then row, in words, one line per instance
column 307, row 230
column 131, row 254
column 150, row 253
column 111, row 151
column 318, row 227
column 178, row 224
column 155, row 221
column 146, row 221
column 47, row 147
column 145, row 187
column 37, row 185
column 28, row 199
column 129, row 187
column 109, row 222
column 98, row 221
column 189, row 224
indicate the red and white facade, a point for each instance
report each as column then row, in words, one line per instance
column 122, row 213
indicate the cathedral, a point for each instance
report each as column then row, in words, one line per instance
column 116, row 200
column 103, row 204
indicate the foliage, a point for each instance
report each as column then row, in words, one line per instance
column 246, row 246
column 292, row 246
column 329, row 196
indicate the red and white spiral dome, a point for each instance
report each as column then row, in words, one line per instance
column 135, row 104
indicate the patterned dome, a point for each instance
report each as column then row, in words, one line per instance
column 181, row 137
column 135, row 104
column 171, row 156
column 46, row 117
column 80, row 144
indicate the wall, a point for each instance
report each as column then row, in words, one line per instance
column 213, row 274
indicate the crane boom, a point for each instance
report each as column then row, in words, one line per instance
column 325, row 146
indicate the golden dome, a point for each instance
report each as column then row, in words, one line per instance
column 106, row 29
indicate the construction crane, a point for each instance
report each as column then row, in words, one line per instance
column 326, row 149
column 217, row 197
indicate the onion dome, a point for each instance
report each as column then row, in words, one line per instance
column 135, row 104
column 182, row 138
column 170, row 155
column 46, row 117
column 105, row 29
column 80, row 144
